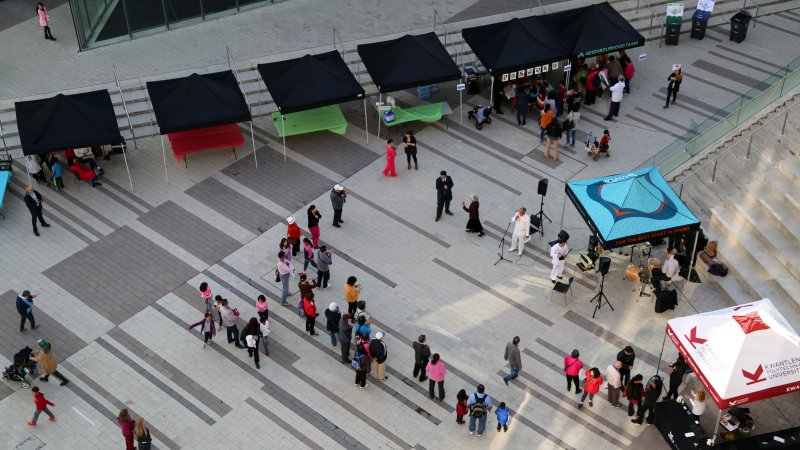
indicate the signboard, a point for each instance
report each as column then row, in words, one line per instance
column 568, row 67
column 643, row 56
column 555, row 66
column 676, row 67
column 545, row 68
column 521, row 74
column 460, row 86
column 537, row 70
column 675, row 10
column 705, row 5
column 504, row 77
column 512, row 76
column 529, row 72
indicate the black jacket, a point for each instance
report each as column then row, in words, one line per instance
column 31, row 203
column 313, row 218
column 625, row 359
column 378, row 350
column 422, row 353
column 442, row 194
column 333, row 320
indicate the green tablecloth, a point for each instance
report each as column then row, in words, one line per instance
column 424, row 113
column 319, row 119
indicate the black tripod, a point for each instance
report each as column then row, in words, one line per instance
column 502, row 246
column 540, row 216
column 599, row 297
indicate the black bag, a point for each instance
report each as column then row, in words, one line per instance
column 719, row 269
column 478, row 409
column 568, row 125
column 473, row 87
column 277, row 276
column 666, row 299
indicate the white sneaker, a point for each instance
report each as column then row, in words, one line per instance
column 511, row 249
column 471, row 432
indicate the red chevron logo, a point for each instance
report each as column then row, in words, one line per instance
column 693, row 339
column 754, row 377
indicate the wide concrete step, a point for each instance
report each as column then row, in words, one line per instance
column 782, row 186
column 790, row 167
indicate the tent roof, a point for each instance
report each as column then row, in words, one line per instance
column 515, row 44
column 67, row 121
column 592, row 30
column 409, row 61
column 740, row 354
column 310, row 82
column 197, row 101
column 631, row 207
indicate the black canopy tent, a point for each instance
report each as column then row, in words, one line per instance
column 68, row 121
column 198, row 101
column 406, row 62
column 309, row 82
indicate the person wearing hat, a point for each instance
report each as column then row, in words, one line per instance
column 25, row 309
column 44, row 356
column 332, row 316
column 338, row 198
column 558, row 252
column 379, row 352
column 294, row 234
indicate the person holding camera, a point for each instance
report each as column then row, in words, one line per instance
column 558, row 252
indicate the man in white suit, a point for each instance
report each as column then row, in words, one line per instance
column 522, row 229
column 559, row 254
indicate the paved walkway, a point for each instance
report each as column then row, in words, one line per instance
column 117, row 276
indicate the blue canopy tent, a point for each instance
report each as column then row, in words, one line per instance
column 629, row 208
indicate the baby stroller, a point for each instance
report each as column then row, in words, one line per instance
column 480, row 114
column 22, row 367
column 593, row 147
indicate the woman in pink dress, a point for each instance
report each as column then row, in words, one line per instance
column 44, row 21
column 391, row 152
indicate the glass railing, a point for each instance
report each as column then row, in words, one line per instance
column 702, row 137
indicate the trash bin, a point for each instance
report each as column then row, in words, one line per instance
column 672, row 34
column 739, row 23
column 699, row 23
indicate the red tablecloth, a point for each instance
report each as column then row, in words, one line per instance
column 220, row 136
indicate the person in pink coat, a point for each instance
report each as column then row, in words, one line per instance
column 44, row 21
column 572, row 369
column 391, row 153
column 436, row 371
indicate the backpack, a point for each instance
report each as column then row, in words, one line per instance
column 596, row 81
column 478, row 409
column 718, row 269
column 567, row 125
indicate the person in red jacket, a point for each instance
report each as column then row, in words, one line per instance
column 41, row 406
column 591, row 385
column 310, row 308
column 127, row 424
column 294, row 233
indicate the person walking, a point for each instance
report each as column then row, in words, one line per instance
column 25, row 309
column 410, row 143
column 127, row 425
column 436, row 372
column 35, row 203
column 634, row 392
column 558, row 255
column 673, row 85
column 310, row 308
column 44, row 21
column 313, row 224
column 627, row 357
column 502, row 417
column 652, row 392
column 338, row 198
column 263, row 328
column 379, row 351
column 444, row 194
column 591, row 385
column 474, row 222
column 572, row 369
column 574, row 117
column 363, row 365
column 294, row 234
column 205, row 294
column 58, row 180
column 391, row 154
column 351, row 293
column 250, row 337
column 308, row 255
column 676, row 372
column 461, row 406
column 480, row 405
column 521, row 105
column 44, row 356
column 142, row 435
column 514, row 359
column 229, row 320
column 262, row 307
column 332, row 318
column 345, row 336
column 422, row 354
column 522, row 230
column 324, row 260
column 614, row 383
column 285, row 269
column 41, row 404
column 616, row 98
column 207, row 327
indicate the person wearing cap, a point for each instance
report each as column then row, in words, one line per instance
column 444, row 194
column 379, row 352
column 332, row 316
column 25, row 309
column 338, row 199
column 558, row 252
column 616, row 98
column 44, row 356
column 294, row 234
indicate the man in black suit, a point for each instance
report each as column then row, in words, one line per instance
column 444, row 194
column 34, row 200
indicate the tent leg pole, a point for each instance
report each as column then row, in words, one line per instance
column 716, row 426
column 660, row 355
column 380, row 99
column 253, row 139
column 366, row 124
column 461, row 107
column 28, row 172
column 164, row 154
column 693, row 262
column 284, row 143
column 125, row 157
column 491, row 94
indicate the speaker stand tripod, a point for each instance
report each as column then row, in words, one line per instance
column 541, row 215
column 600, row 297
column 501, row 248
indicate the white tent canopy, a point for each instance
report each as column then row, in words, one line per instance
column 740, row 354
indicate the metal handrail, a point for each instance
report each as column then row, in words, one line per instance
column 755, row 18
column 652, row 17
column 750, row 135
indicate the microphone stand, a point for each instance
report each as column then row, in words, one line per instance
column 502, row 245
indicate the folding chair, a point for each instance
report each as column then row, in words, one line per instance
column 563, row 288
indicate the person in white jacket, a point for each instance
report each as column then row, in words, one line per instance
column 559, row 254
column 522, row 229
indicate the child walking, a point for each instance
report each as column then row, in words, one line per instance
column 461, row 406
column 262, row 307
column 207, row 327
column 58, row 182
column 205, row 293
column 308, row 255
column 502, row 417
column 41, row 406
column 263, row 327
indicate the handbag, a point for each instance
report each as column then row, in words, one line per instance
column 235, row 312
column 277, row 276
